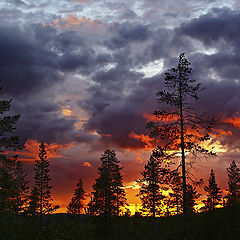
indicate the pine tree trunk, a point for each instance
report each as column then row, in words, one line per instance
column 182, row 148
column 154, row 203
column 41, row 198
column 184, row 187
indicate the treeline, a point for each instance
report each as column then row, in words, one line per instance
column 160, row 190
column 15, row 197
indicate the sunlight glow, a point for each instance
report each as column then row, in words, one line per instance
column 66, row 111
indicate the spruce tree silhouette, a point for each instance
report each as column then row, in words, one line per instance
column 76, row 205
column 7, row 164
column 33, row 202
column 108, row 197
column 150, row 192
column 176, row 199
column 233, row 195
column 21, row 187
column 42, row 188
column 214, row 194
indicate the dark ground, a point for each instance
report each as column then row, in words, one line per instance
column 223, row 224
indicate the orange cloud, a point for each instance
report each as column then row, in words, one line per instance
column 86, row 164
column 154, row 118
column 150, row 117
column 74, row 21
column 31, row 150
column 234, row 121
column 143, row 138
column 222, row 132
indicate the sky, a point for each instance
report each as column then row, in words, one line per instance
column 83, row 75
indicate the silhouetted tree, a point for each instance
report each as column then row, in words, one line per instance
column 175, row 195
column 7, row 164
column 7, row 125
column 176, row 198
column 42, row 186
column 7, row 184
column 76, row 204
column 180, row 128
column 192, row 196
column 150, row 193
column 214, row 194
column 109, row 195
column 233, row 195
column 33, row 202
column 21, row 187
column 13, row 185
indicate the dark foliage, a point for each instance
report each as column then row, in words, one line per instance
column 40, row 199
column 76, row 205
column 151, row 193
column 214, row 194
column 233, row 195
column 109, row 196
column 179, row 128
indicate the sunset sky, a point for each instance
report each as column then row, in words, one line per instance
column 83, row 75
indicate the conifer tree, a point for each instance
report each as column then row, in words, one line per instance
column 176, row 196
column 14, row 186
column 33, row 202
column 109, row 196
column 233, row 184
column 150, row 193
column 76, row 204
column 42, row 187
column 7, row 164
column 179, row 128
column 7, row 185
column 21, row 187
column 214, row 194
column 7, row 125
column 192, row 196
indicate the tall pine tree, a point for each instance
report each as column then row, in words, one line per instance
column 7, row 185
column 33, row 202
column 176, row 194
column 76, row 205
column 7, row 164
column 214, row 194
column 179, row 128
column 109, row 196
column 41, row 193
column 150, row 192
column 21, row 187
column 233, row 184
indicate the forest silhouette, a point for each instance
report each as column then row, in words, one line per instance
column 172, row 207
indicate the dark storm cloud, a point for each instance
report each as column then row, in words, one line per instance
column 120, row 96
column 219, row 24
column 117, row 104
column 126, row 34
column 33, row 59
column 33, row 63
column 24, row 65
column 219, row 72
column 40, row 119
